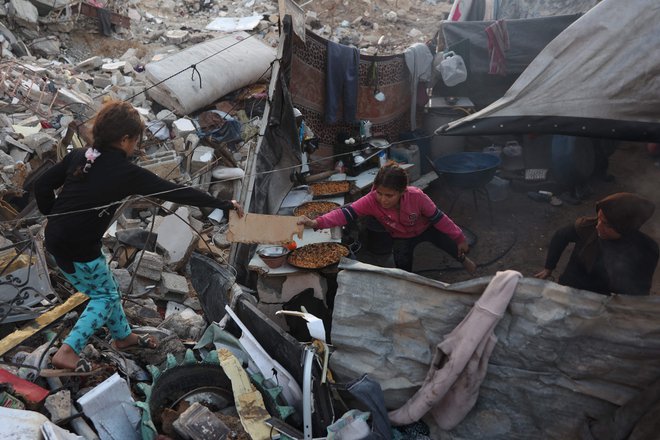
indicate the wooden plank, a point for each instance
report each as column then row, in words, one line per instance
column 34, row 327
column 249, row 402
column 261, row 228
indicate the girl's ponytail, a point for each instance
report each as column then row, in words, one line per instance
column 90, row 155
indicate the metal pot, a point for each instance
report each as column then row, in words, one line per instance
column 273, row 256
column 468, row 170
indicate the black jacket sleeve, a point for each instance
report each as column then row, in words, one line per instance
column 48, row 183
column 146, row 183
column 558, row 244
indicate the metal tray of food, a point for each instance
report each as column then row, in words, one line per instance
column 330, row 188
column 317, row 255
column 315, row 209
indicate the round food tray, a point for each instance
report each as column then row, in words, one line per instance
column 330, row 188
column 317, row 255
column 315, row 209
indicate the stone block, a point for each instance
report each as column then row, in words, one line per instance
column 40, row 142
column 151, row 265
column 183, row 127
column 174, row 283
column 201, row 157
column 176, row 237
column 123, row 278
column 23, row 12
column 128, row 223
column 89, row 64
column 59, row 405
column 19, row 155
column 164, row 164
column 116, row 66
column 102, row 80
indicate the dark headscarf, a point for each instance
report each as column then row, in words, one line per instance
column 625, row 212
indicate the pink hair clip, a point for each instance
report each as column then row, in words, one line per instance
column 91, row 154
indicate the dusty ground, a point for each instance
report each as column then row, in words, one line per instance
column 401, row 23
column 521, row 228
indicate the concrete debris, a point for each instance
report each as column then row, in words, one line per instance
column 23, row 12
column 59, row 405
column 111, row 407
column 187, row 324
column 150, row 265
column 177, row 238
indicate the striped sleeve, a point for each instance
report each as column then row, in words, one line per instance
column 436, row 217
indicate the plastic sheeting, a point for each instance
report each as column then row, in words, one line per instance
column 562, row 353
column 222, row 65
column 528, row 37
column 598, row 78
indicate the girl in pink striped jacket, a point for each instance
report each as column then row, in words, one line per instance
column 406, row 213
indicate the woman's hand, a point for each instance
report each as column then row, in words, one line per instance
column 308, row 222
column 238, row 208
column 544, row 274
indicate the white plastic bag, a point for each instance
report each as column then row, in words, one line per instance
column 452, row 68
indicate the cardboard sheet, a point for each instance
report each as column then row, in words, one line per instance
column 261, row 228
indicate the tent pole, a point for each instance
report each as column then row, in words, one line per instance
column 253, row 153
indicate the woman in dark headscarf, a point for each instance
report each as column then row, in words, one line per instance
column 611, row 254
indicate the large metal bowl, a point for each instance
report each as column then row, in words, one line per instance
column 273, row 256
column 469, row 170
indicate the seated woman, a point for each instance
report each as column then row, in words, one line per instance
column 611, row 255
column 407, row 214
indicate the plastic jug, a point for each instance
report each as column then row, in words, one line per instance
column 408, row 154
column 498, row 189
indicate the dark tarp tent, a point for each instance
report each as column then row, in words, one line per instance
column 469, row 40
column 599, row 78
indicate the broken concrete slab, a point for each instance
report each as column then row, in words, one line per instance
column 123, row 278
column 59, row 405
column 164, row 164
column 187, row 324
column 112, row 409
column 143, row 311
column 148, row 265
column 46, row 47
column 24, row 12
column 18, row 424
column 92, row 63
column 40, row 142
column 177, row 238
column 174, row 284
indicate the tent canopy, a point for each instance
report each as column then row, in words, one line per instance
column 599, row 78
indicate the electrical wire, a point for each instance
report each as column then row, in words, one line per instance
column 277, row 170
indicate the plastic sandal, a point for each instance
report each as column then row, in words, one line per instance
column 83, row 368
column 144, row 341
